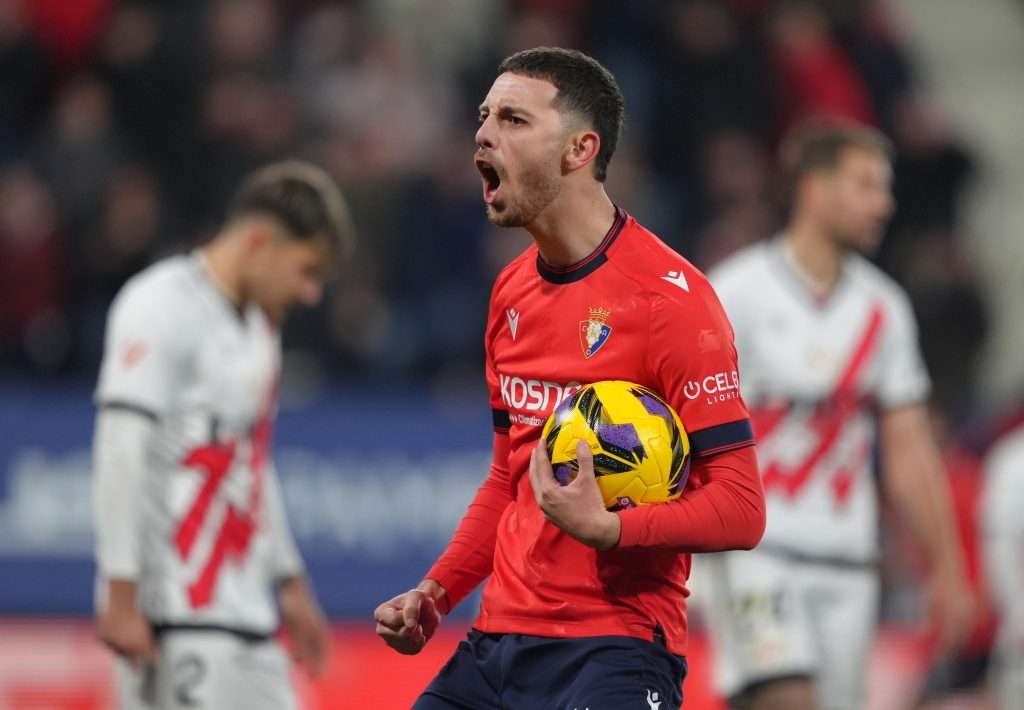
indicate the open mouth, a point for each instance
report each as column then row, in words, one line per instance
column 491, row 180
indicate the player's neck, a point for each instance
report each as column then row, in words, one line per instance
column 817, row 259
column 220, row 261
column 573, row 226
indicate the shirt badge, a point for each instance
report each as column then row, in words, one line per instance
column 595, row 331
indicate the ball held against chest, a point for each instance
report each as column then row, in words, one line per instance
column 641, row 451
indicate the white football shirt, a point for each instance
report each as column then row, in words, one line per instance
column 212, row 531
column 1001, row 505
column 814, row 373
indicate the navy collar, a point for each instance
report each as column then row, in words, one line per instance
column 588, row 265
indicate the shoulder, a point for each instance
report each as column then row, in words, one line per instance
column 677, row 292
column 876, row 282
column 881, row 287
column 737, row 269
column 158, row 293
column 659, row 272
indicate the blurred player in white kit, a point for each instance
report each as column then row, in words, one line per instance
column 828, row 358
column 1002, row 516
column 193, row 550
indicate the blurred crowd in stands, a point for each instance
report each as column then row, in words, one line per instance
column 125, row 125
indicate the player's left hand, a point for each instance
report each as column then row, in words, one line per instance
column 302, row 618
column 578, row 508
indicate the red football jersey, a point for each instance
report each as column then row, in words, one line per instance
column 633, row 310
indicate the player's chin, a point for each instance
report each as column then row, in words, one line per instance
column 871, row 242
column 276, row 312
column 501, row 215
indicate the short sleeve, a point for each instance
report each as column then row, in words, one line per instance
column 904, row 379
column 143, row 355
column 692, row 355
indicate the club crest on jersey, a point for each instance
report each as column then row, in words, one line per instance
column 594, row 331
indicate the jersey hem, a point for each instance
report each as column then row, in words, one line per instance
column 504, row 624
column 248, row 635
column 123, row 405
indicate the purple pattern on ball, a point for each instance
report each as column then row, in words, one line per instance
column 564, row 473
column 655, row 406
column 622, row 435
column 563, row 409
column 684, row 476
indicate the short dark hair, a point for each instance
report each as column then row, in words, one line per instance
column 584, row 87
column 303, row 198
column 819, row 144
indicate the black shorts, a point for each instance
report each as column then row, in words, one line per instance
column 515, row 672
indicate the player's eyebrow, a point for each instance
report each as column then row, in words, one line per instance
column 506, row 110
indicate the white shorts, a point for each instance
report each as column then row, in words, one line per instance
column 208, row 669
column 772, row 617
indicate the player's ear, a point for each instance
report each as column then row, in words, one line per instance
column 257, row 236
column 580, row 150
column 810, row 189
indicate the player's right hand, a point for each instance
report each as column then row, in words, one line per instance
column 127, row 633
column 407, row 621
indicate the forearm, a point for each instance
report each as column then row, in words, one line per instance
column 469, row 557
column 915, row 480
column 726, row 513
column 119, row 459
column 294, row 594
column 121, row 594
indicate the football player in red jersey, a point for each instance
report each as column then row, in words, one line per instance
column 585, row 607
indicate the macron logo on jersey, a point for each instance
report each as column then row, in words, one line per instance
column 677, row 278
column 513, row 321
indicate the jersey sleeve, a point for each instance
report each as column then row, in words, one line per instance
column 725, row 511
column 120, row 442
column 905, row 378
column 285, row 559
column 469, row 557
column 144, row 353
column 692, row 356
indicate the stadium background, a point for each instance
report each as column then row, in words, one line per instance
column 125, row 125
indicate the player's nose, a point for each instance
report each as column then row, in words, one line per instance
column 485, row 134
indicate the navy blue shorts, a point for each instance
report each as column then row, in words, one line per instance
column 515, row 672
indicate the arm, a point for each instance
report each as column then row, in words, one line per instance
column 723, row 507
column 469, row 557
column 119, row 451
column 726, row 513
column 300, row 612
column 286, row 561
column 914, row 479
column 143, row 355
column 407, row 622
